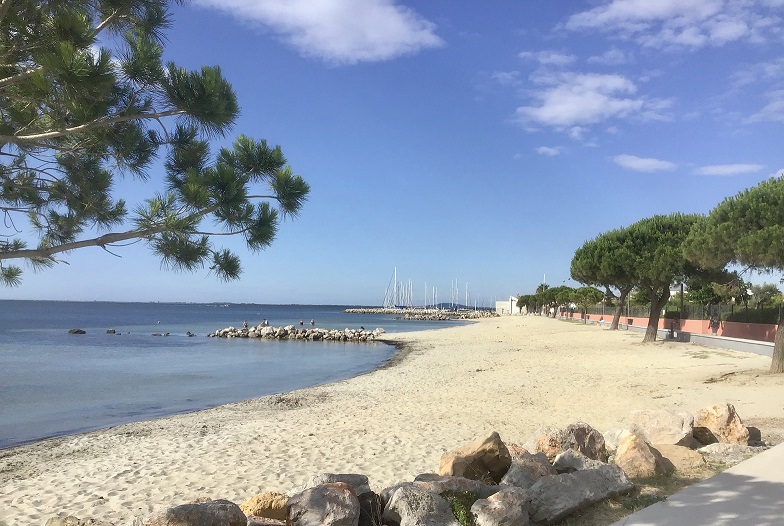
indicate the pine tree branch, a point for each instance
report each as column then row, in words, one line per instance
column 26, row 140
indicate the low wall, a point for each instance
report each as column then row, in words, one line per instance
column 764, row 332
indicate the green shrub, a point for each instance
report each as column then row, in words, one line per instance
column 461, row 503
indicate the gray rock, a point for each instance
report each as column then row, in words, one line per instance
column 412, row 506
column 333, row 504
column 658, row 426
column 571, row 460
column 508, row 507
column 527, row 469
column 553, row 498
column 211, row 513
column 358, row 482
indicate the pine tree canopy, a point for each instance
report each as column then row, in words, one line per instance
column 85, row 99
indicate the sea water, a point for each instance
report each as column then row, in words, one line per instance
column 54, row 383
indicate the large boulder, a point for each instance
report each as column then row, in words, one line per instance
column 553, row 498
column 572, row 460
column 545, row 440
column 485, row 459
column 333, row 504
column 359, row 483
column 268, row 504
column 527, row 469
column 580, row 437
column 210, row 513
column 658, row 426
column 413, row 506
column 720, row 423
column 613, row 437
column 639, row 460
column 508, row 507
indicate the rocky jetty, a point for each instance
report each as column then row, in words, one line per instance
column 489, row 482
column 290, row 332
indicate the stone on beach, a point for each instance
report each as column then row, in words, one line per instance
column 658, row 426
column 720, row 423
column 579, row 436
column 526, row 469
column 555, row 497
column 483, row 459
column 639, row 460
column 212, row 513
column 413, row 506
column 508, row 507
column 332, row 504
column 268, row 504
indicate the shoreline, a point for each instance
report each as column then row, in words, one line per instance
column 443, row 387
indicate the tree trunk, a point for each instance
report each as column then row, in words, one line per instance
column 777, row 365
column 657, row 303
column 622, row 295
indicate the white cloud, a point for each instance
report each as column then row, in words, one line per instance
column 549, row 58
column 683, row 23
column 643, row 164
column 571, row 101
column 729, row 169
column 339, row 31
column 548, row 151
column 506, row 78
column 772, row 112
column 611, row 57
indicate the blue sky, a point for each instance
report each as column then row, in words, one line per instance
column 479, row 142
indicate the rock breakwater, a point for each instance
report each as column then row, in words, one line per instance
column 290, row 332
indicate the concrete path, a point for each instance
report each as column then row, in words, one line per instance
column 748, row 494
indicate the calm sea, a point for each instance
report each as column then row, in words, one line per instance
column 53, row 383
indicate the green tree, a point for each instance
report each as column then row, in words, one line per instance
column 658, row 260
column 85, row 99
column 607, row 261
column 746, row 229
column 585, row 297
column 765, row 295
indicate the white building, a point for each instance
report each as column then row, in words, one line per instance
column 508, row 307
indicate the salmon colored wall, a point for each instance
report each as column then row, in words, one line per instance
column 747, row 331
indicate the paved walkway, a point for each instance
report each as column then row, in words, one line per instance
column 748, row 494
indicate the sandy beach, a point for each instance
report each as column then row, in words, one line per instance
column 512, row 375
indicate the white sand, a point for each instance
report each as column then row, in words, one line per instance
column 511, row 375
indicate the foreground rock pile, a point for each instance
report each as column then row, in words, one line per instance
column 291, row 333
column 492, row 483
